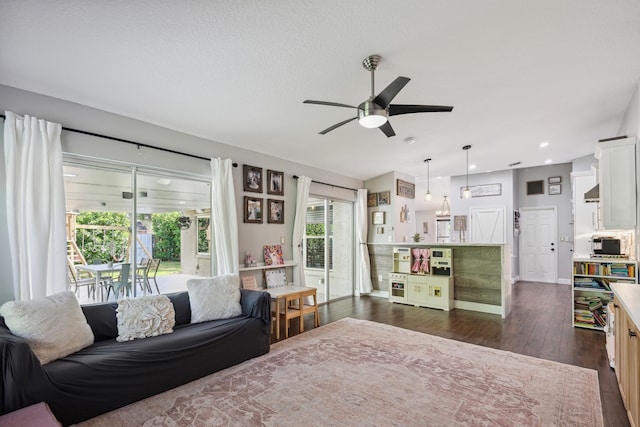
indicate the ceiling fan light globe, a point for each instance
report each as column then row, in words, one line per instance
column 372, row 121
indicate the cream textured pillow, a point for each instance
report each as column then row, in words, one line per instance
column 143, row 317
column 54, row 326
column 214, row 298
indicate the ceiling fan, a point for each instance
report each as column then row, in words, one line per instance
column 375, row 111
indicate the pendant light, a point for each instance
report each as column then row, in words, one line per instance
column 427, row 196
column 467, row 193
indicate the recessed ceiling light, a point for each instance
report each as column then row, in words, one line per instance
column 489, row 171
column 182, row 202
column 410, row 140
column 164, row 181
column 544, row 144
column 70, row 175
column 472, row 167
column 548, row 161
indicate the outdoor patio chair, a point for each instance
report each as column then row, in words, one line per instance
column 141, row 272
column 151, row 273
column 75, row 282
column 121, row 285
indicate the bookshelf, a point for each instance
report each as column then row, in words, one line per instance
column 591, row 289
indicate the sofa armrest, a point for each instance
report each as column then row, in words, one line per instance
column 19, row 366
column 256, row 304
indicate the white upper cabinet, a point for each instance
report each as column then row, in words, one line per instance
column 618, row 183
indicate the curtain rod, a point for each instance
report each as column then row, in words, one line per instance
column 127, row 141
column 330, row 185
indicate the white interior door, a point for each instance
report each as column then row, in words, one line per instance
column 538, row 246
column 487, row 225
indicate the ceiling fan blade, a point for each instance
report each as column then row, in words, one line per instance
column 386, row 96
column 337, row 125
column 332, row 104
column 395, row 109
column 387, row 129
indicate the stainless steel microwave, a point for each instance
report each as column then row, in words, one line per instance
column 605, row 246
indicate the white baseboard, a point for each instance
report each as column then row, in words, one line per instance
column 564, row 281
column 476, row 306
column 379, row 294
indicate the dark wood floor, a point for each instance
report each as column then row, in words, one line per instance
column 539, row 326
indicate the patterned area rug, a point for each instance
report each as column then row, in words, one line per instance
column 360, row 373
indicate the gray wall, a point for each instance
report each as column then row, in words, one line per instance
column 562, row 203
column 251, row 236
column 460, row 206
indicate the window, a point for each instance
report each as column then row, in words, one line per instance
column 317, row 235
column 204, row 235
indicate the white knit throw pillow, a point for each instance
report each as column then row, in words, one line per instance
column 54, row 325
column 143, row 317
column 214, row 298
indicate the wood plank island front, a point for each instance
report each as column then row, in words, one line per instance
column 481, row 272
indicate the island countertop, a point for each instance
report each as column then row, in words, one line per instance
column 629, row 297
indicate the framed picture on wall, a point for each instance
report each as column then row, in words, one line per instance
column 555, row 189
column 405, row 189
column 252, row 177
column 372, row 200
column 535, row 187
column 377, row 218
column 383, row 198
column 275, row 183
column 555, row 179
column 253, row 210
column 275, row 214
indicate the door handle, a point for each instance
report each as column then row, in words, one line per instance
column 632, row 333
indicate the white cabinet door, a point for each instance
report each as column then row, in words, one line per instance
column 618, row 183
column 585, row 215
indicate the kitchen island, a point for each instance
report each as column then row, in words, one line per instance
column 481, row 271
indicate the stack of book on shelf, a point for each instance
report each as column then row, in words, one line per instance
column 588, row 282
column 590, row 311
column 622, row 270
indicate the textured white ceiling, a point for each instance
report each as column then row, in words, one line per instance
column 517, row 72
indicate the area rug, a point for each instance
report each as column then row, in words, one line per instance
column 360, row 373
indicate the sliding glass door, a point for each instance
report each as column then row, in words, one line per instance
column 329, row 248
column 168, row 243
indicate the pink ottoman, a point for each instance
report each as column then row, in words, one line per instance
column 38, row 415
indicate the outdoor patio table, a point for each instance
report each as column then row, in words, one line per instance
column 98, row 270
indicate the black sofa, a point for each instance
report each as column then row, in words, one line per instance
column 109, row 374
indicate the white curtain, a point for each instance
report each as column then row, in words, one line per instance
column 224, row 217
column 35, row 206
column 299, row 227
column 363, row 273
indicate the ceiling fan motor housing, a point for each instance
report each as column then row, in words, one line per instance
column 371, row 115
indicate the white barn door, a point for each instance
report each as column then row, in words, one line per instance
column 487, row 225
